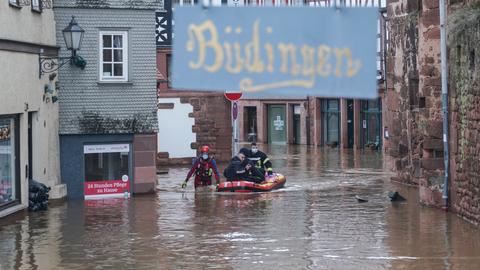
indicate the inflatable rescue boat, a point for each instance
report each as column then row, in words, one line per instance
column 275, row 181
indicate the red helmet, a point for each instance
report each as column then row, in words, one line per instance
column 205, row 149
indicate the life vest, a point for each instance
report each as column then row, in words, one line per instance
column 204, row 169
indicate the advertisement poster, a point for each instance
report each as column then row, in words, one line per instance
column 107, row 171
column 107, row 189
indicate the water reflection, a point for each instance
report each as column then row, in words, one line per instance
column 314, row 223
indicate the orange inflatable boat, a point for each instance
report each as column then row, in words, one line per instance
column 273, row 182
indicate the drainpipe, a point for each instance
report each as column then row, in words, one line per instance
column 443, row 59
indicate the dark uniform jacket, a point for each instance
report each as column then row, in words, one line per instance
column 261, row 161
column 236, row 171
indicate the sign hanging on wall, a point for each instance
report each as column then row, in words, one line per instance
column 288, row 52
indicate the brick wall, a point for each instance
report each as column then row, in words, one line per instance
column 414, row 105
column 212, row 123
column 402, row 84
column 464, row 63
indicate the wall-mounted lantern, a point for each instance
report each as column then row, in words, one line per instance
column 73, row 35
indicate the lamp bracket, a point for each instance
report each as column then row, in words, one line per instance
column 49, row 64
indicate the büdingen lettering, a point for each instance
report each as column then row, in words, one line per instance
column 302, row 64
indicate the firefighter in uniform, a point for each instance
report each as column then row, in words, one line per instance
column 260, row 159
column 203, row 168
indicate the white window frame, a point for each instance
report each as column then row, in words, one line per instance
column 36, row 5
column 124, row 35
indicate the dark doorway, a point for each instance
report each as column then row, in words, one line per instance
column 250, row 124
column 296, row 124
column 30, row 146
column 350, row 123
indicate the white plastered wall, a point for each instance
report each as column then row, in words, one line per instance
column 175, row 129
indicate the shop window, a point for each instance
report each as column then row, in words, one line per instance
column 107, row 170
column 371, row 123
column 113, row 56
column 9, row 180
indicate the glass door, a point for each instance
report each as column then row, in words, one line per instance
column 9, row 180
column 276, row 124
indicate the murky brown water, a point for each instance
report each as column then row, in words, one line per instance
column 314, row 223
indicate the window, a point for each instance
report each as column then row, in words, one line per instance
column 184, row 2
column 113, row 56
column 15, row 3
column 9, row 180
column 37, row 5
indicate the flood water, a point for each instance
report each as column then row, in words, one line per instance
column 313, row 223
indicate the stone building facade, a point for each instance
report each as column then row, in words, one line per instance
column 108, row 119
column 29, row 145
column 414, row 102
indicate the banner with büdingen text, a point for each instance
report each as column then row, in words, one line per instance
column 276, row 52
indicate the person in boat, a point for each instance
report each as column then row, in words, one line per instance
column 236, row 168
column 240, row 168
column 253, row 174
column 260, row 159
column 203, row 168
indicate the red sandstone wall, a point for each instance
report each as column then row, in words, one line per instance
column 413, row 113
column 211, row 112
column 464, row 100
column 402, row 78
column 413, row 110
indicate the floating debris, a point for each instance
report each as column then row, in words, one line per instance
column 360, row 199
column 395, row 196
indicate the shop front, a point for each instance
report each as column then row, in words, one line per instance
column 9, row 166
column 97, row 166
column 105, row 166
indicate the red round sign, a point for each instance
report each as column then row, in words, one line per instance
column 233, row 96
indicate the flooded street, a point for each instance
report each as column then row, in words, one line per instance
column 315, row 222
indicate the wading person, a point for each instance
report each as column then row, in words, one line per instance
column 203, row 168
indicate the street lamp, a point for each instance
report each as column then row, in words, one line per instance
column 73, row 35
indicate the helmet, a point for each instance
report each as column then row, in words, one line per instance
column 205, row 149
